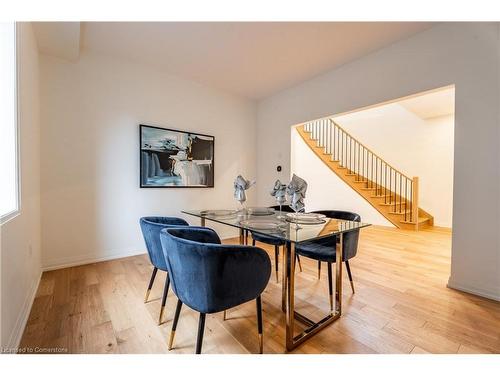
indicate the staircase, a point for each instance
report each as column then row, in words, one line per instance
column 388, row 190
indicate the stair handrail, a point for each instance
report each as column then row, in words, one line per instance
column 368, row 149
column 339, row 149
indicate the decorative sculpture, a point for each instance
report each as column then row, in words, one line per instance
column 296, row 190
column 279, row 193
column 240, row 186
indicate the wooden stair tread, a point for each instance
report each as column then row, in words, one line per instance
column 382, row 200
column 421, row 220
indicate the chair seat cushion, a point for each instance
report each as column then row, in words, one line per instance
column 323, row 249
column 267, row 239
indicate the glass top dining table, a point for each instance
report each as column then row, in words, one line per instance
column 286, row 228
column 292, row 231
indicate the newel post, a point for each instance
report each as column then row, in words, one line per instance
column 414, row 198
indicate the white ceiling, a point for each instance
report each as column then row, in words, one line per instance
column 254, row 59
column 60, row 39
column 430, row 105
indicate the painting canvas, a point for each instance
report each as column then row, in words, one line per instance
column 174, row 158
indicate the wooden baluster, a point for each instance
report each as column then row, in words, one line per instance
column 401, row 179
column 395, row 189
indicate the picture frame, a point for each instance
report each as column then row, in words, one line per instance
column 172, row 158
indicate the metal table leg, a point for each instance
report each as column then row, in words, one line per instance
column 292, row 340
column 283, row 277
column 242, row 236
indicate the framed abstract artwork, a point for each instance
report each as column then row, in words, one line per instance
column 175, row 158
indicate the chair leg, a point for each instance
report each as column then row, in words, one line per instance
column 330, row 284
column 349, row 274
column 276, row 260
column 164, row 299
column 174, row 324
column 201, row 329
column 224, row 316
column 298, row 260
column 253, row 242
column 151, row 281
column 319, row 269
column 259, row 324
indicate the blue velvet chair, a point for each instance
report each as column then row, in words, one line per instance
column 151, row 227
column 210, row 277
column 277, row 243
column 324, row 249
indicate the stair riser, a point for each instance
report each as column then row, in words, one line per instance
column 378, row 202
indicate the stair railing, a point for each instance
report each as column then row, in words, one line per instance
column 399, row 191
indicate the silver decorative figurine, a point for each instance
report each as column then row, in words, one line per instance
column 296, row 190
column 240, row 186
column 279, row 193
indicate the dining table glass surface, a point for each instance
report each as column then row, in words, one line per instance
column 290, row 229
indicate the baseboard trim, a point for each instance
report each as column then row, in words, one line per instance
column 94, row 258
column 87, row 259
column 17, row 333
column 476, row 291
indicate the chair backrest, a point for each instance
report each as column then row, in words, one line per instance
column 210, row 277
column 151, row 227
column 350, row 240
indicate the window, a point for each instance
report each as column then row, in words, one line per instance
column 9, row 176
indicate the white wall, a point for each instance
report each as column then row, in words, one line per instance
column 90, row 112
column 20, row 237
column 464, row 54
column 417, row 147
column 325, row 189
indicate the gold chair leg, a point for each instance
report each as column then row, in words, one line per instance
column 300, row 265
column 150, row 285
column 147, row 295
column 174, row 324
column 224, row 316
column 171, row 340
column 160, row 319
column 348, row 268
column 258, row 301
column 319, row 269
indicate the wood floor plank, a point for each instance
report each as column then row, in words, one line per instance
column 401, row 305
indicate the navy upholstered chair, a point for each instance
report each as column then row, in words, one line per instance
column 210, row 277
column 324, row 249
column 151, row 227
column 277, row 243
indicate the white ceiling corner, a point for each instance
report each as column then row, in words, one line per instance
column 430, row 105
column 59, row 39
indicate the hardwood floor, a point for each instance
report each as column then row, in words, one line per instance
column 401, row 305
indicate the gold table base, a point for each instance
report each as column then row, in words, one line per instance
column 288, row 295
column 288, row 299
